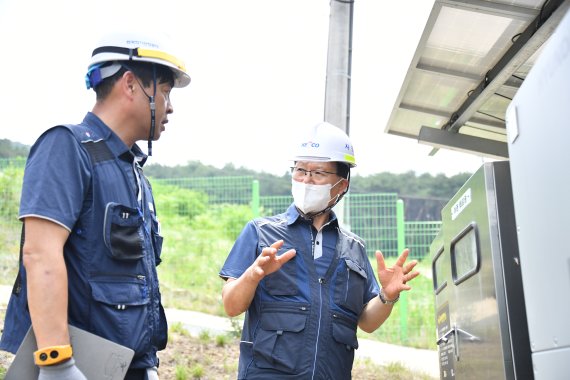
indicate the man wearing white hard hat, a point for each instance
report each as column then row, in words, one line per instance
column 305, row 282
column 91, row 237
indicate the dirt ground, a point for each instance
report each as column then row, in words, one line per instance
column 189, row 357
column 201, row 359
column 206, row 357
column 186, row 357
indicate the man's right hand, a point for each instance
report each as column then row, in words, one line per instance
column 268, row 261
column 237, row 294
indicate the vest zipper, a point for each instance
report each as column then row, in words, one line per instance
column 322, row 281
column 150, row 259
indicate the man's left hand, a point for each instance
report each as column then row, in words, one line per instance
column 395, row 279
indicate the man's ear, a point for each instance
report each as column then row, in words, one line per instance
column 128, row 83
column 345, row 185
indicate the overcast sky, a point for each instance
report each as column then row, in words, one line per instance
column 258, row 71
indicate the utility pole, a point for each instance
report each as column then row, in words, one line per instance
column 339, row 62
column 339, row 65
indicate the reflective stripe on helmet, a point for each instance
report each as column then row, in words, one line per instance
column 349, row 159
column 140, row 52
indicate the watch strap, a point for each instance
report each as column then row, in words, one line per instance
column 386, row 301
column 52, row 355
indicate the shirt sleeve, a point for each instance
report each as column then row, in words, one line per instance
column 243, row 253
column 373, row 288
column 56, row 178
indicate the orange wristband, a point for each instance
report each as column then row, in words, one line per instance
column 53, row 355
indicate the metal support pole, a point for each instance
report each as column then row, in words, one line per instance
column 255, row 198
column 339, row 64
column 403, row 304
column 339, row 61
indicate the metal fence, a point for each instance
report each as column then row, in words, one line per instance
column 374, row 218
column 17, row 162
column 230, row 190
column 419, row 236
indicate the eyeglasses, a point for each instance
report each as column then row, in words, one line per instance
column 318, row 175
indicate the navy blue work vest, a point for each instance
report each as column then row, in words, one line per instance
column 111, row 257
column 301, row 325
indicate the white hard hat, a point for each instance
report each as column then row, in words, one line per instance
column 325, row 142
column 136, row 46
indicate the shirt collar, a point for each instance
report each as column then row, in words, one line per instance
column 293, row 216
column 115, row 144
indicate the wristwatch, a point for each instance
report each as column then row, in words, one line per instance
column 53, row 355
column 387, row 301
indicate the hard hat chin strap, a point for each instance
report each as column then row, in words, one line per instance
column 152, row 105
column 311, row 216
column 151, row 102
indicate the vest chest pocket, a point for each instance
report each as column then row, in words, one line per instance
column 284, row 281
column 124, row 232
column 350, row 285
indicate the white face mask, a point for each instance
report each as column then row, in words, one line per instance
column 310, row 198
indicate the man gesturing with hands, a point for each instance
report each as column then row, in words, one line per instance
column 305, row 282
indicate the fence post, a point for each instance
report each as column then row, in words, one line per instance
column 255, row 198
column 403, row 304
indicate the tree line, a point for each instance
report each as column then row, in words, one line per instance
column 9, row 149
column 424, row 195
column 406, row 184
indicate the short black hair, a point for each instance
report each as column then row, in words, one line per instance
column 343, row 170
column 143, row 70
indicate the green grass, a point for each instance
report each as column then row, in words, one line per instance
column 412, row 322
column 191, row 261
column 9, row 250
